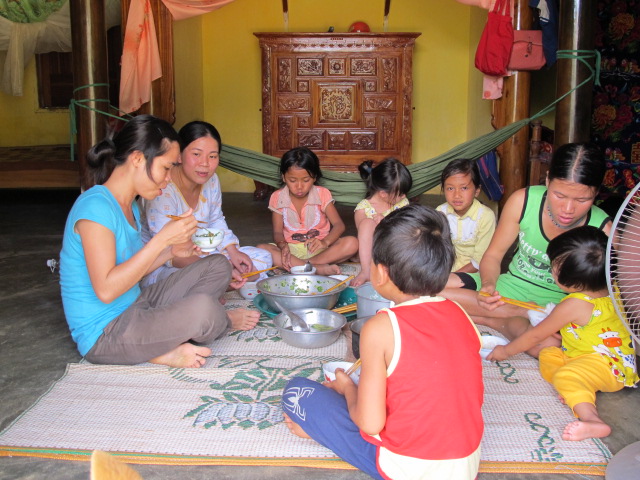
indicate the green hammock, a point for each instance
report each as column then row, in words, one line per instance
column 348, row 188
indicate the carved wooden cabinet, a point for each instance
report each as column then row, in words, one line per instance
column 346, row 96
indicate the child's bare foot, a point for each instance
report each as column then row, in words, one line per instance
column 222, row 300
column 243, row 319
column 562, row 400
column 327, row 269
column 294, row 427
column 579, row 430
column 360, row 279
column 186, row 355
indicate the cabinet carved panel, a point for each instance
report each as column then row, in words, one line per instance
column 346, row 96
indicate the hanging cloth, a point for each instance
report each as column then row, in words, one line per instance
column 140, row 53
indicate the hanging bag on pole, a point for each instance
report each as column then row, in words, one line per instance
column 527, row 52
column 494, row 48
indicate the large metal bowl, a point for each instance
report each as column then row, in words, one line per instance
column 312, row 339
column 300, row 291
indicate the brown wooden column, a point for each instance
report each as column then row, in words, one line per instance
column 577, row 30
column 162, row 103
column 514, row 106
column 89, row 45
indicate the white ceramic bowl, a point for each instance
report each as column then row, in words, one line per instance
column 249, row 290
column 489, row 342
column 299, row 270
column 208, row 238
column 329, row 371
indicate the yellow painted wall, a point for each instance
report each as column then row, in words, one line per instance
column 443, row 58
column 23, row 123
column 189, row 84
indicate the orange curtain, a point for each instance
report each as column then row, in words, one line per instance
column 140, row 55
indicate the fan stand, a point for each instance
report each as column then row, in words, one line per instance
column 625, row 465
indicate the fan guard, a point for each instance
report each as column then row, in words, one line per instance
column 623, row 282
column 623, row 263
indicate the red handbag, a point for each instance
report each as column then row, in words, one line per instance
column 527, row 53
column 494, row 48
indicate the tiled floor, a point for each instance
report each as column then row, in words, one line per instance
column 35, row 345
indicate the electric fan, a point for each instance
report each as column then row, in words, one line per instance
column 623, row 281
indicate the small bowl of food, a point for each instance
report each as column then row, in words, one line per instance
column 489, row 342
column 299, row 270
column 329, row 371
column 208, row 238
column 325, row 327
column 249, row 290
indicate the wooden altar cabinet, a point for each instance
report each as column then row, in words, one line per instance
column 345, row 96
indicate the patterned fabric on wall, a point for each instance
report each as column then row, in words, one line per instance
column 615, row 125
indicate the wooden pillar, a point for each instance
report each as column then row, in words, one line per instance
column 514, row 106
column 577, row 30
column 89, row 46
column 162, row 103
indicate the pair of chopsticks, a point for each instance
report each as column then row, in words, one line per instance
column 176, row 217
column 517, row 303
column 354, row 367
column 251, row 274
column 347, row 308
column 338, row 284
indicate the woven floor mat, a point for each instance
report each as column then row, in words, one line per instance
column 228, row 413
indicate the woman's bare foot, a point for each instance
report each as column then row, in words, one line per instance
column 579, row 430
column 360, row 279
column 243, row 319
column 327, row 269
column 294, row 427
column 186, row 355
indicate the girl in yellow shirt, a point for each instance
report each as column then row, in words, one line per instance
column 597, row 352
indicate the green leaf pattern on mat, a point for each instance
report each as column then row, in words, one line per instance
column 263, row 331
column 546, row 451
column 251, row 399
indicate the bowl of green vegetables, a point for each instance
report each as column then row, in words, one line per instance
column 208, row 239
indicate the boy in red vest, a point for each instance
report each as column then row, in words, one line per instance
column 416, row 412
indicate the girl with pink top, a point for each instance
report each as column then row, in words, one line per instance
column 306, row 224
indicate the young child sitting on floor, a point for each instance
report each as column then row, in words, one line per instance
column 597, row 352
column 472, row 223
column 387, row 186
column 306, row 224
column 416, row 411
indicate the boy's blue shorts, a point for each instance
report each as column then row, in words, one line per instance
column 323, row 415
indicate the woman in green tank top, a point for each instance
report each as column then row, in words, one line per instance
column 532, row 216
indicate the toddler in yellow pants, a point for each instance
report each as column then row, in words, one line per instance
column 597, row 352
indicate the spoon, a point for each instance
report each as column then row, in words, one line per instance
column 307, row 266
column 297, row 323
